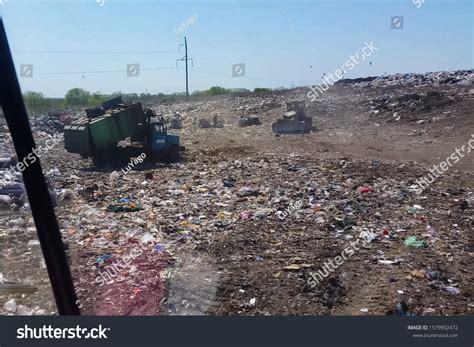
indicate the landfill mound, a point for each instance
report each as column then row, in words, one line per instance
column 408, row 106
column 249, row 221
column 429, row 79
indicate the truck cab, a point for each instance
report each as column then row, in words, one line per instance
column 161, row 144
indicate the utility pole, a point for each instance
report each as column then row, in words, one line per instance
column 185, row 58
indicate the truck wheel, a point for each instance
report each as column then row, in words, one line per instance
column 98, row 162
column 172, row 154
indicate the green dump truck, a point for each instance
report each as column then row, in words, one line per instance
column 118, row 131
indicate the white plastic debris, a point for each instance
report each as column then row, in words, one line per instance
column 367, row 236
column 387, row 262
column 147, row 237
column 54, row 172
column 5, row 200
column 24, row 311
column 114, row 176
column 10, row 305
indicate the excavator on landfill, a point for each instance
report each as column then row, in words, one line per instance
column 117, row 131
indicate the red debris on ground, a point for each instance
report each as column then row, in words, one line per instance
column 132, row 288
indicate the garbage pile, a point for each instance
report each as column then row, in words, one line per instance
column 175, row 121
column 254, row 215
column 409, row 107
column 248, row 121
column 13, row 195
column 201, row 114
column 430, row 79
column 253, row 212
column 54, row 121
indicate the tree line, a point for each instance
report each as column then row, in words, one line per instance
column 37, row 102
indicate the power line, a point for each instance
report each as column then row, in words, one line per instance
column 96, row 52
column 101, row 71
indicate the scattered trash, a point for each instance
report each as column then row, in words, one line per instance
column 451, row 290
column 402, row 309
column 418, row 273
column 147, row 237
column 159, row 248
column 368, row 236
column 434, row 275
column 387, row 262
column 175, row 122
column 128, row 207
column 24, row 311
column 228, row 183
column 412, row 241
column 8, row 287
column 247, row 191
column 296, row 267
column 6, row 202
column 114, row 176
column 10, row 305
column 33, row 243
column 66, row 197
column 246, row 214
column 54, row 173
column 248, row 121
column 103, row 259
column 204, row 123
column 364, row 189
column 223, row 198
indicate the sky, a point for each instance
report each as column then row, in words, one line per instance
column 89, row 43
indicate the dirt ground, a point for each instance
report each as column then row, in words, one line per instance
column 226, row 249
